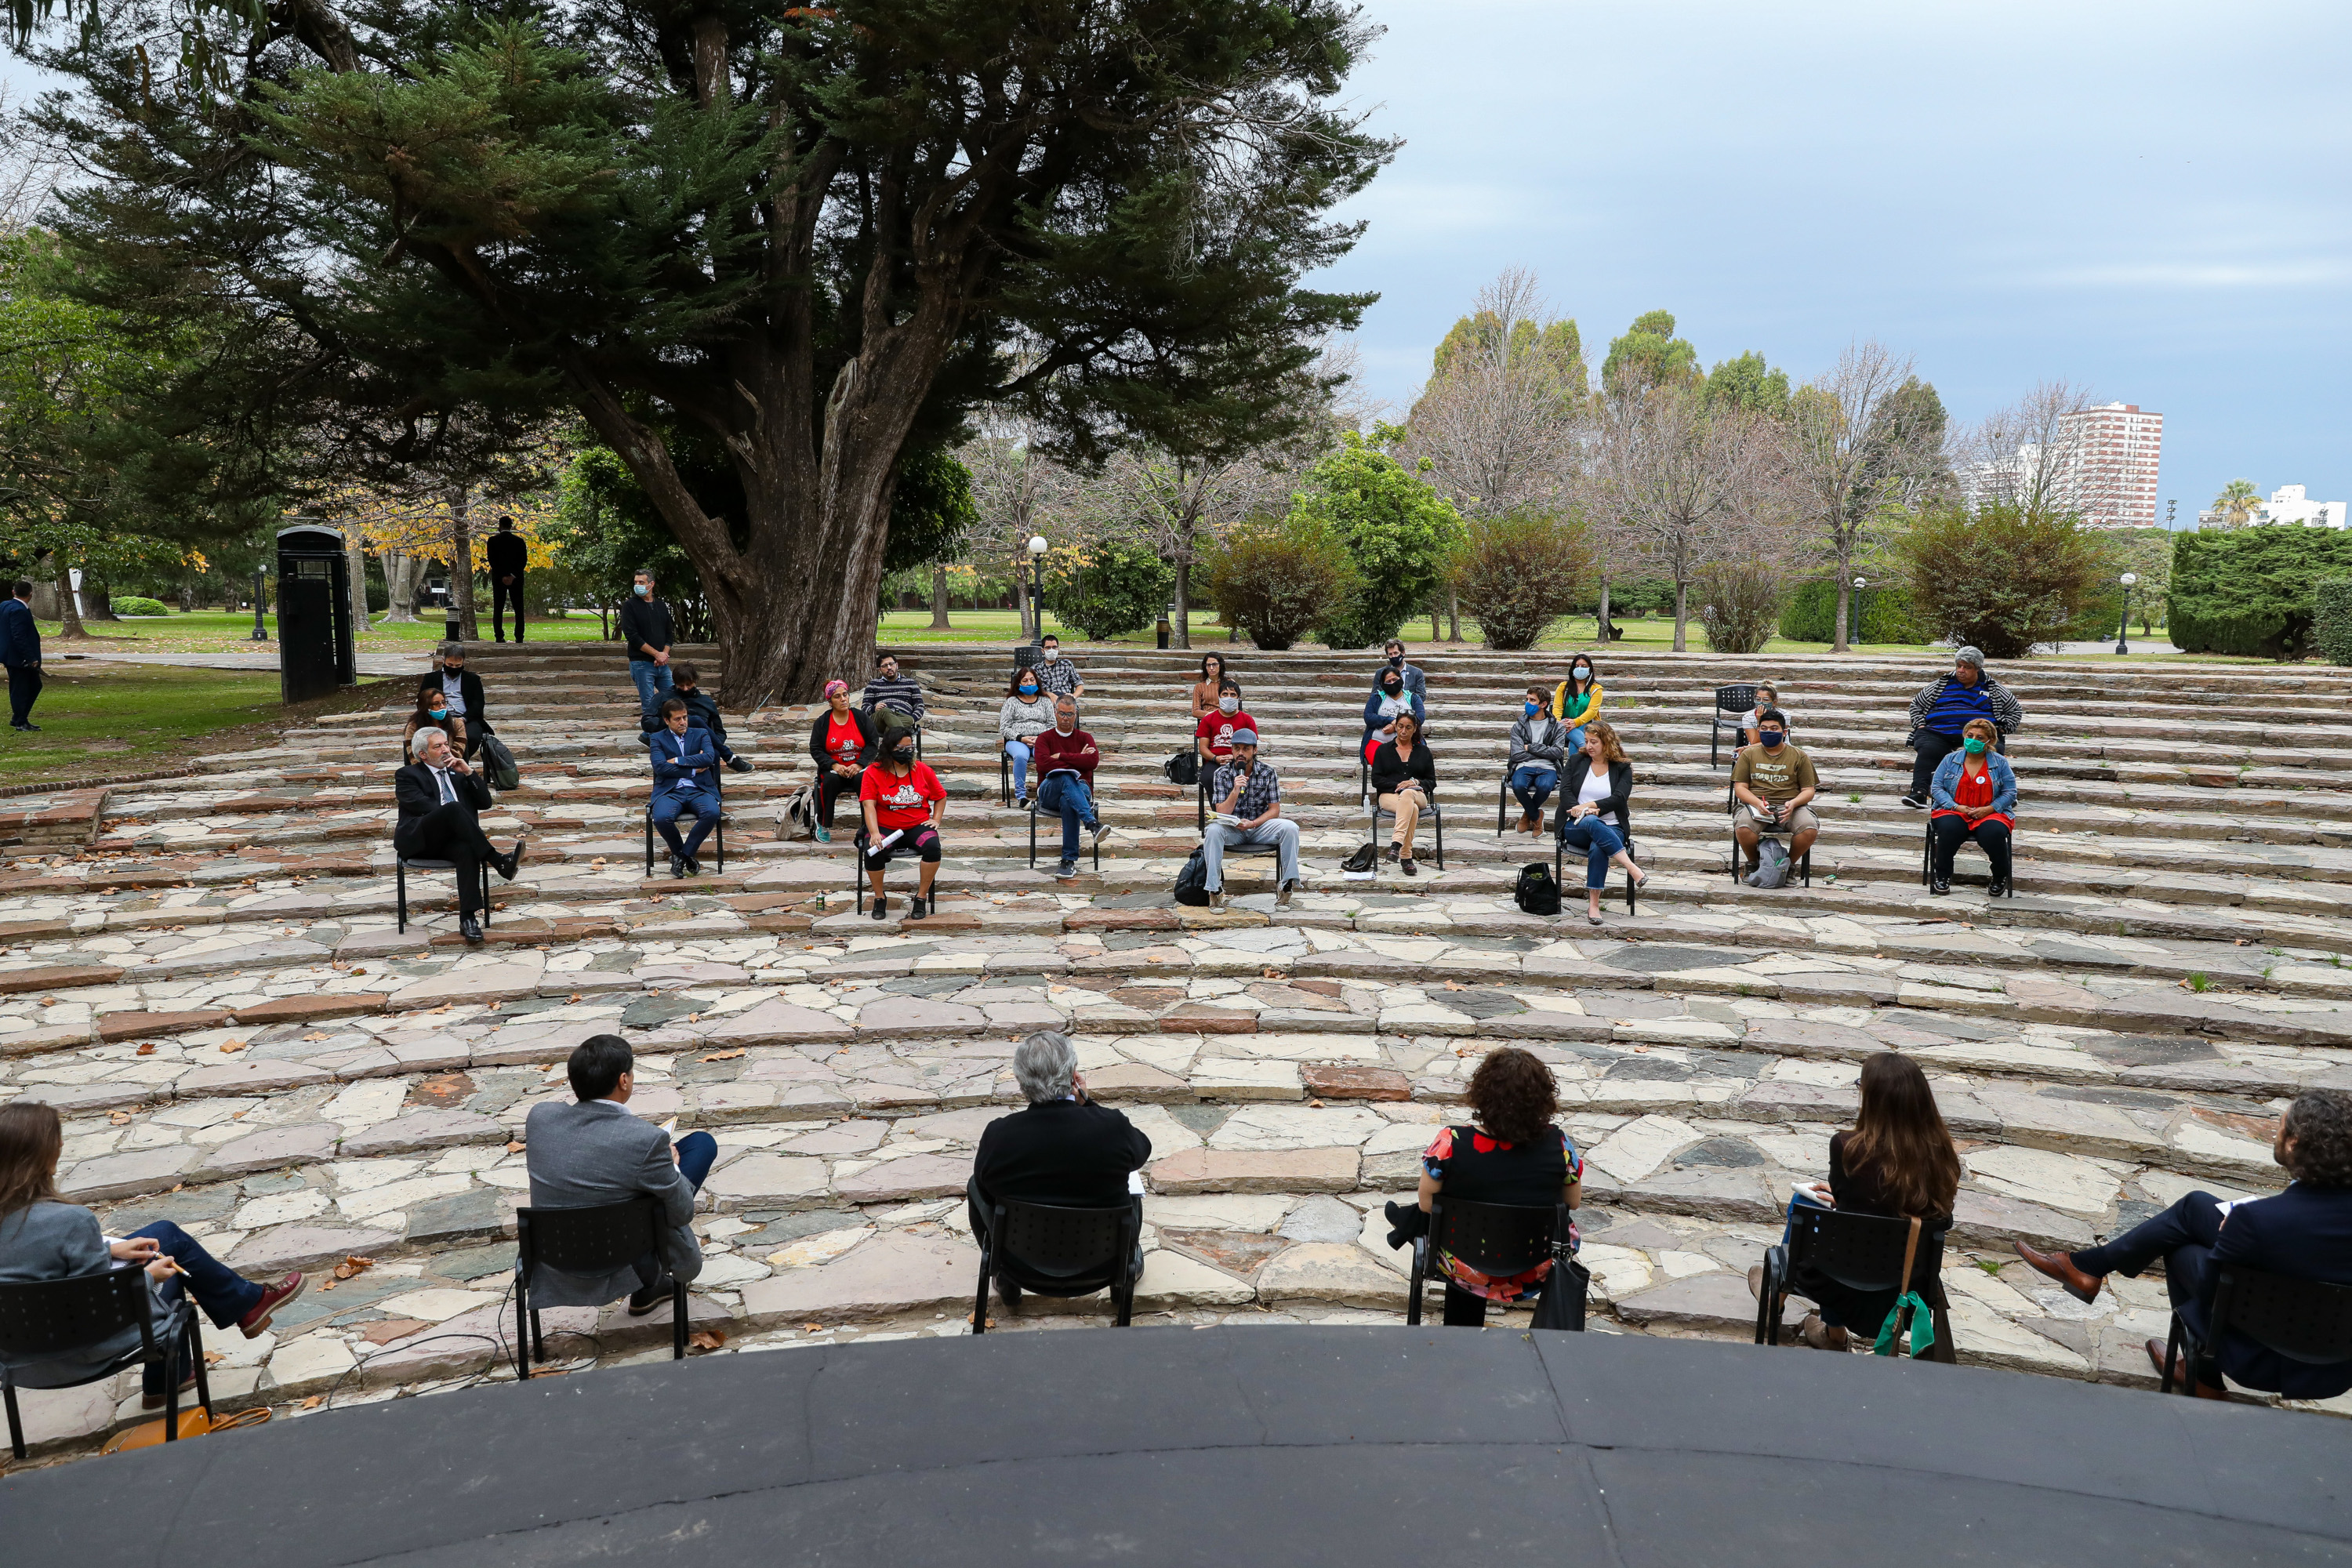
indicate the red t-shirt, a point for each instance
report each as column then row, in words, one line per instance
column 901, row 802
column 1218, row 727
column 1975, row 790
column 842, row 738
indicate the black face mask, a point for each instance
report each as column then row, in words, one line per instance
column 903, row 755
column 1771, row 739
column 1396, row 661
column 1392, row 688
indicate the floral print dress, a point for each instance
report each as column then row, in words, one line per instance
column 1478, row 1167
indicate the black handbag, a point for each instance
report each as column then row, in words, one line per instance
column 1561, row 1304
column 1183, row 768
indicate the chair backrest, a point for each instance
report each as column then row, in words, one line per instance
column 1735, row 698
column 1496, row 1239
column 1863, row 1251
column 605, row 1239
column 1064, row 1243
column 2307, row 1320
column 52, row 1317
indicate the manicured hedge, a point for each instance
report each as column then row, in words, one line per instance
column 2250, row 591
column 132, row 604
column 2331, row 620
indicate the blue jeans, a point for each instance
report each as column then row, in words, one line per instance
column 653, row 684
column 1019, row 752
column 1533, row 783
column 225, row 1295
column 1068, row 794
column 669, row 803
column 1599, row 841
column 1575, row 742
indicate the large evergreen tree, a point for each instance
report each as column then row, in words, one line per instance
column 806, row 238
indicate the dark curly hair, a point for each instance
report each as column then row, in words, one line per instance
column 1512, row 1094
column 2320, row 1123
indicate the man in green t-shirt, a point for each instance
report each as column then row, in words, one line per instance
column 1773, row 785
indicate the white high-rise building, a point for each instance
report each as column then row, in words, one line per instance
column 2100, row 463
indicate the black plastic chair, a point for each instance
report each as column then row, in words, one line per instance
column 2305, row 1320
column 1060, row 1252
column 717, row 835
column 1503, row 794
column 1727, row 700
column 1496, row 1239
column 1927, row 858
column 1561, row 849
column 603, row 1239
column 857, row 871
column 1435, row 813
column 1861, row 1252
column 1035, row 812
column 403, row 865
column 1730, row 801
column 53, row 1318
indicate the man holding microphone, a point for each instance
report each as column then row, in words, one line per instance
column 1249, row 811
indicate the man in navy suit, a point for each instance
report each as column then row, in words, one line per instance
column 2305, row 1233
column 20, row 650
column 686, row 773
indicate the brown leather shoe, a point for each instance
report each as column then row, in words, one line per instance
column 2155, row 1348
column 156, row 1401
column 256, row 1323
column 2083, row 1287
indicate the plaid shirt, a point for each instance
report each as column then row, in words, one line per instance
column 1058, row 679
column 1263, row 790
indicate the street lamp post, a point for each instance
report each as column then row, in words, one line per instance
column 2123, row 628
column 1854, row 632
column 1037, row 585
column 260, row 632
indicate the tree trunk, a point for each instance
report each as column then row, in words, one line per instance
column 940, row 596
column 355, row 552
column 1434, row 630
column 1184, row 627
column 1021, row 602
column 1681, row 605
column 461, row 564
column 69, row 612
column 402, row 568
column 1601, row 619
column 1845, row 600
column 1453, row 615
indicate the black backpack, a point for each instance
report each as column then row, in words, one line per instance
column 1536, row 893
column 1183, row 768
column 1193, row 882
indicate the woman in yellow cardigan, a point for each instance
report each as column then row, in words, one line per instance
column 1576, row 701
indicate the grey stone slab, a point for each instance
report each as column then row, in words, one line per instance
column 418, row 1130
column 122, row 1175
column 461, row 1216
column 306, row 1245
column 272, row 1148
column 1323, row 1219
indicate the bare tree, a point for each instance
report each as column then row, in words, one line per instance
column 29, row 168
column 1014, row 487
column 1851, row 449
column 2031, row 453
column 1687, row 482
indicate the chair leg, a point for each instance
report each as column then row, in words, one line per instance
column 1441, row 840
column 400, row 894
column 678, row 1320
column 173, row 1349
column 2172, row 1353
column 1033, row 833
column 649, row 841
column 1418, row 1280
column 538, row 1337
column 522, row 1331
column 16, row 1422
column 204, row 1379
column 979, row 1300
column 720, row 833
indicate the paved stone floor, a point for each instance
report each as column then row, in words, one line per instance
column 207, row 978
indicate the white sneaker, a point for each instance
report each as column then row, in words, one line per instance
column 1216, row 900
column 1282, row 895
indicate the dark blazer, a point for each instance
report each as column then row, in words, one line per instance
column 470, row 690
column 418, row 795
column 20, row 638
column 1060, row 1152
column 1388, row 771
column 2305, row 1233
column 508, row 552
column 1621, row 788
column 682, row 763
column 867, row 729
column 582, row 1154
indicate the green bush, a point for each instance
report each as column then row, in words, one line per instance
column 1737, row 603
column 1109, row 588
column 2331, row 620
column 1519, row 572
column 2007, row 579
column 132, row 604
column 1275, row 577
column 2251, row 590
column 1880, row 614
column 1398, row 533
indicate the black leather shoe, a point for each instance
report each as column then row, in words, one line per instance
column 1009, row 1293
column 648, row 1300
column 693, row 867
column 470, row 929
column 740, row 764
column 881, row 905
column 1941, row 885
column 916, row 908
column 677, row 865
column 507, row 864
column 1997, row 889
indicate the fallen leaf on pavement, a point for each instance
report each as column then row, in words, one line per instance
column 514, row 1148
column 214, row 1358
column 352, row 1265
column 318, row 1034
column 1453, row 985
column 146, row 1050
column 720, row 1055
column 813, row 1327
column 118, row 1117
column 574, row 997
column 232, row 1046
column 315, row 1401
column 705, row 1340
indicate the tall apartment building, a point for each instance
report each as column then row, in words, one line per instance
column 2116, row 449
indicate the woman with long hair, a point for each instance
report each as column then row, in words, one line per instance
column 1213, row 680
column 1027, row 714
column 1510, row 1153
column 1596, row 812
column 1897, row 1161
column 433, row 709
column 1404, row 780
column 1576, row 701
column 43, row 1237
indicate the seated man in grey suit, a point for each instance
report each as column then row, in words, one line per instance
column 596, row 1151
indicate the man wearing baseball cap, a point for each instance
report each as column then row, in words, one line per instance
column 1248, row 798
column 1940, row 714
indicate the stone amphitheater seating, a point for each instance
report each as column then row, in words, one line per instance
column 203, row 974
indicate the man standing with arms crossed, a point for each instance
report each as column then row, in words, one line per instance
column 20, row 650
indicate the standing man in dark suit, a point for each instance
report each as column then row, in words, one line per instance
column 596, row 1150
column 20, row 650
column 2305, row 1233
column 1063, row 1150
column 508, row 553
column 441, row 800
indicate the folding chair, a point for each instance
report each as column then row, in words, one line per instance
column 1496, row 1239
column 1861, row 1252
column 1432, row 813
column 1561, row 849
column 1503, row 794
column 718, row 833
column 1034, row 812
column 401, row 866
column 2305, row 1320
column 857, row 872
column 1060, row 1252
column 1728, row 700
column 49, row 1319
column 1927, row 858
column 601, row 1240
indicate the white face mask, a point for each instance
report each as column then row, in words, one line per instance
column 1584, row 674
column 1052, row 654
column 644, row 589
column 1229, row 704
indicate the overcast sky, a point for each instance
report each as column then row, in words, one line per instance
column 2147, row 199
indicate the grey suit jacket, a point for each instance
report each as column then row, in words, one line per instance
column 584, row 1154
column 61, row 1241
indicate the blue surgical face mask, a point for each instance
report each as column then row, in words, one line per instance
column 1583, row 672
column 1534, row 708
column 1030, row 690
column 1771, row 739
column 644, row 589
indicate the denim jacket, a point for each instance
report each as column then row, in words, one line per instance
column 1948, row 779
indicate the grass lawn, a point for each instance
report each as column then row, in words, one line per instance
column 218, row 631
column 95, row 722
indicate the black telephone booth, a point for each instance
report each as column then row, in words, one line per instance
column 314, row 614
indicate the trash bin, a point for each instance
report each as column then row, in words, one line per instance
column 314, row 614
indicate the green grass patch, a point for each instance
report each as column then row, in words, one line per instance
column 97, row 723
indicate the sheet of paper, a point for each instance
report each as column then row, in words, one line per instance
column 1135, row 1183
